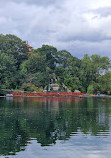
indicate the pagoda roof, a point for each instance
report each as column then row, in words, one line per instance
column 29, row 46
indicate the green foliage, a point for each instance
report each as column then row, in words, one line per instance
column 50, row 55
column 61, row 73
column 104, row 83
column 92, row 68
column 63, row 58
column 7, row 71
column 72, row 82
column 90, row 89
column 14, row 46
column 19, row 70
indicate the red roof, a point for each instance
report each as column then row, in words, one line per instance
column 29, row 46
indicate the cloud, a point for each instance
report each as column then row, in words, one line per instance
column 77, row 26
column 33, row 2
column 103, row 12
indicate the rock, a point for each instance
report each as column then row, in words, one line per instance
column 77, row 91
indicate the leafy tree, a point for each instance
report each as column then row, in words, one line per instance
column 63, row 58
column 90, row 89
column 14, row 46
column 18, row 68
column 72, row 83
column 104, row 83
column 92, row 68
column 60, row 73
column 35, row 63
column 50, row 54
column 7, row 72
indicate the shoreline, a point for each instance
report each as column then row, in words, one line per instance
column 79, row 96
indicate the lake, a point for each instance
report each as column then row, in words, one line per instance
column 55, row 127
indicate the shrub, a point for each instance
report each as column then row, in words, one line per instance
column 90, row 89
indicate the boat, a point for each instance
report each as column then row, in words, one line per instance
column 9, row 95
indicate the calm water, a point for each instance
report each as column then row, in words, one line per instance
column 55, row 128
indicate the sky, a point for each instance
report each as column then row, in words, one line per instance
column 78, row 26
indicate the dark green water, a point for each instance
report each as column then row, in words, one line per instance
column 55, row 128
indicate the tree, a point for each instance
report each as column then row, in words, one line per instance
column 50, row 53
column 92, row 68
column 14, row 46
column 104, row 83
column 62, row 58
column 7, row 72
column 86, row 71
column 90, row 89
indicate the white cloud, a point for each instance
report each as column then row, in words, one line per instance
column 77, row 26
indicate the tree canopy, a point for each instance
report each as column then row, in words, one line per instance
column 23, row 71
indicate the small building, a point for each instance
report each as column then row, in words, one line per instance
column 30, row 49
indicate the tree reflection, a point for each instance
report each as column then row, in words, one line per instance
column 48, row 120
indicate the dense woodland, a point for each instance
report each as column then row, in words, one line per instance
column 32, row 71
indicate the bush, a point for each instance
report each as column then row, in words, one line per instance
column 90, row 89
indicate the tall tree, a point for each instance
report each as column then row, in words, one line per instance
column 7, row 71
column 14, row 46
column 50, row 53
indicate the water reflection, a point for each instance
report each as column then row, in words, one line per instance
column 47, row 120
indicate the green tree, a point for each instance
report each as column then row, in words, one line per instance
column 92, row 68
column 7, row 72
column 14, row 46
column 63, row 58
column 90, row 89
column 50, row 54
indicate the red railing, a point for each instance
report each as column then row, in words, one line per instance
column 48, row 94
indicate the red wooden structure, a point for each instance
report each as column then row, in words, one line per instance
column 48, row 94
